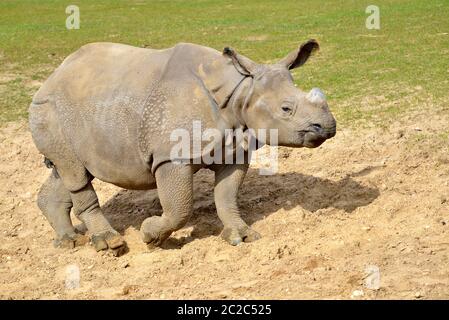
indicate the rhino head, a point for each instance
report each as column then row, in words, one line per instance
column 272, row 101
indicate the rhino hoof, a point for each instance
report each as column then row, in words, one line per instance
column 237, row 236
column 70, row 241
column 81, row 228
column 235, row 241
column 251, row 235
column 109, row 240
column 151, row 231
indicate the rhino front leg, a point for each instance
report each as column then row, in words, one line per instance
column 175, row 190
column 87, row 209
column 228, row 179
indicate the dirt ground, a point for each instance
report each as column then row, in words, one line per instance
column 367, row 197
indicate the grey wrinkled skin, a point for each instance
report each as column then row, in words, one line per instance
column 108, row 110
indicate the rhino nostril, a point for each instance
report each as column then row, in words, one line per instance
column 317, row 127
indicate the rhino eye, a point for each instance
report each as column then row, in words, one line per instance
column 287, row 109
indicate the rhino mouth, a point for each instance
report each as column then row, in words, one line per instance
column 315, row 135
column 313, row 139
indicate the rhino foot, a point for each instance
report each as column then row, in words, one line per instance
column 154, row 230
column 111, row 240
column 235, row 236
column 81, row 228
column 70, row 241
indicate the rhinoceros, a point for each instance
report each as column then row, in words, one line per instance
column 108, row 111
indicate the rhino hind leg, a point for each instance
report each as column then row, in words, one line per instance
column 87, row 209
column 55, row 203
column 70, row 182
column 175, row 189
column 228, row 179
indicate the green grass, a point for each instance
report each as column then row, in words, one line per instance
column 410, row 50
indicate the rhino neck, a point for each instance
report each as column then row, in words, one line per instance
column 239, row 100
column 229, row 90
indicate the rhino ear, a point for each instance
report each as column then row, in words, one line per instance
column 298, row 57
column 244, row 65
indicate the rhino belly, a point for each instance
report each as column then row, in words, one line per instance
column 117, row 162
column 124, row 176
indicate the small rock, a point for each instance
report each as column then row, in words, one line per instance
column 129, row 289
column 284, row 153
column 357, row 294
column 418, row 129
column 125, row 264
column 223, row 294
column 221, row 257
column 418, row 295
column 399, row 134
column 27, row 195
column 288, row 203
column 23, row 250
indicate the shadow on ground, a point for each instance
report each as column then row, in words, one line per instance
column 260, row 196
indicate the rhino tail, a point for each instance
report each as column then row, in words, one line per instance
column 50, row 165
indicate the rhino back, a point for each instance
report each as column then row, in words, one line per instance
column 118, row 104
column 98, row 93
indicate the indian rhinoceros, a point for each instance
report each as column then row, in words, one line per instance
column 108, row 110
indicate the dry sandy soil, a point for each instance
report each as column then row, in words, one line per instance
column 367, row 197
